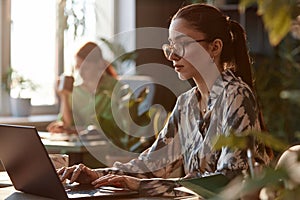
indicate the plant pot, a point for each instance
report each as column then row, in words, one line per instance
column 20, row 107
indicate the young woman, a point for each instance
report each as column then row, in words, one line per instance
column 211, row 49
column 78, row 106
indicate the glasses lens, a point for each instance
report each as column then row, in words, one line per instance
column 167, row 50
column 178, row 50
column 173, row 52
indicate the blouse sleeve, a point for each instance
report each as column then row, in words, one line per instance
column 155, row 163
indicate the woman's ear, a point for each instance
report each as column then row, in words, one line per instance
column 215, row 48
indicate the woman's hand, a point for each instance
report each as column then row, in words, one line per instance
column 78, row 173
column 58, row 127
column 129, row 182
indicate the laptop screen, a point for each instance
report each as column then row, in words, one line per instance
column 27, row 163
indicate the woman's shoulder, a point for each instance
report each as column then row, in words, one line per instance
column 107, row 81
column 187, row 94
column 79, row 89
column 235, row 85
column 236, row 90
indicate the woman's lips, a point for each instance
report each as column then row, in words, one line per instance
column 178, row 67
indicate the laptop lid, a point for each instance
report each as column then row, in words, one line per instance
column 30, row 169
column 27, row 162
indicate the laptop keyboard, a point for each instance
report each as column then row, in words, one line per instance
column 85, row 190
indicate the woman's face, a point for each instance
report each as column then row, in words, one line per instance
column 89, row 71
column 196, row 57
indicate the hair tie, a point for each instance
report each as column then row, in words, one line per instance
column 228, row 20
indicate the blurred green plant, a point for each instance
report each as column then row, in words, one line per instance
column 122, row 134
column 244, row 140
column 277, row 84
column 121, row 56
column 267, row 184
column 277, row 16
column 17, row 85
column 267, row 181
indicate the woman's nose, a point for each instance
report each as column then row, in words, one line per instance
column 174, row 57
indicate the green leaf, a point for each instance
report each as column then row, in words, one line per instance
column 231, row 141
column 278, row 22
column 276, row 15
column 270, row 140
column 243, row 140
column 268, row 176
column 119, row 52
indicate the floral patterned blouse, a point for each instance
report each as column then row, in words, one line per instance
column 186, row 139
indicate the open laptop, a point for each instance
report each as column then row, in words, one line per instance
column 31, row 171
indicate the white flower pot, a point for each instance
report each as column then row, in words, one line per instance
column 20, row 107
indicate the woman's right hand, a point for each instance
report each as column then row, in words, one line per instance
column 58, row 127
column 78, row 173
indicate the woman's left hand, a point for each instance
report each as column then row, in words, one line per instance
column 129, row 182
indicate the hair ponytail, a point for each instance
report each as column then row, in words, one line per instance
column 240, row 53
column 243, row 67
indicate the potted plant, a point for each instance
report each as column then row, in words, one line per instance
column 19, row 89
column 126, row 131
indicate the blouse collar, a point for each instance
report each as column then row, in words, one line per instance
column 221, row 82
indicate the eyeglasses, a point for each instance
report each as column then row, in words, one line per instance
column 176, row 51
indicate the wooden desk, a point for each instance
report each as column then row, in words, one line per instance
column 78, row 151
column 38, row 121
column 10, row 193
column 75, row 148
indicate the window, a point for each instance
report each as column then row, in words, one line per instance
column 37, row 43
column 33, row 40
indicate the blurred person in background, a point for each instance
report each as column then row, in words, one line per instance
column 78, row 103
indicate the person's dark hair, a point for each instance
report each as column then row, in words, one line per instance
column 92, row 52
column 214, row 24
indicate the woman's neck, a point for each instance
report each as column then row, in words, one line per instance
column 207, row 78
column 203, row 89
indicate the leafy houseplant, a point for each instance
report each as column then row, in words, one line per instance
column 277, row 181
column 121, row 56
column 126, row 129
column 117, row 132
column 19, row 88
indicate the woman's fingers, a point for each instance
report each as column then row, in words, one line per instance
column 66, row 173
column 56, row 127
column 77, row 171
column 83, row 174
column 102, row 180
column 69, row 173
column 118, row 181
column 107, row 179
column 60, row 171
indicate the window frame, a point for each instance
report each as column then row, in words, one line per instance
column 5, row 43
